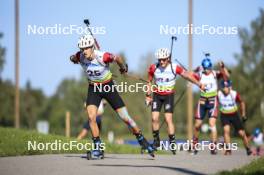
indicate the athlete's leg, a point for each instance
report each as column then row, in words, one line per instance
column 169, row 121
column 93, row 100
column 92, row 113
column 243, row 135
column 241, row 131
column 155, row 129
column 197, row 126
column 155, row 108
column 213, row 112
column 155, row 120
column 212, row 124
column 227, row 139
column 171, row 132
column 199, row 116
column 168, row 108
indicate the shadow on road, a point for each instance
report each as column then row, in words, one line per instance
column 112, row 157
column 182, row 170
column 82, row 156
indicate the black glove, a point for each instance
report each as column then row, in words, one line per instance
column 124, row 69
column 75, row 58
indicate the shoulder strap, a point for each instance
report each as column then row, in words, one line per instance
column 97, row 55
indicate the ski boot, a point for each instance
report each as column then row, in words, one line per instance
column 228, row 152
column 249, row 152
column 97, row 152
column 156, row 144
column 193, row 145
column 145, row 145
column 173, row 145
column 213, row 151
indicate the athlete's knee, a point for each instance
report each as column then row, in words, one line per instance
column 155, row 119
column 91, row 115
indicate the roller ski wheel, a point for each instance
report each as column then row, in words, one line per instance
column 95, row 155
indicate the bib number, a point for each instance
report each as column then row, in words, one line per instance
column 94, row 73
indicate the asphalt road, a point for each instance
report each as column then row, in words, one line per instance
column 123, row 164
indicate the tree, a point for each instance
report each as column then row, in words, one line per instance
column 32, row 102
column 248, row 75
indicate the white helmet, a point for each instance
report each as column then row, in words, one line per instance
column 86, row 41
column 162, row 53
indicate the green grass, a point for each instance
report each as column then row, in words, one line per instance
column 14, row 142
column 255, row 167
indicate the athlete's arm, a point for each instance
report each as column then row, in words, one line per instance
column 196, row 76
column 120, row 62
column 151, row 71
column 189, row 76
column 242, row 105
column 223, row 71
column 109, row 58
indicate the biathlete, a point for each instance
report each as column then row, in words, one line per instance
column 95, row 64
column 208, row 99
column 163, row 75
column 228, row 99
column 258, row 141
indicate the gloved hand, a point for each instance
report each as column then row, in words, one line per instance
column 148, row 100
column 75, row 58
column 124, row 69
